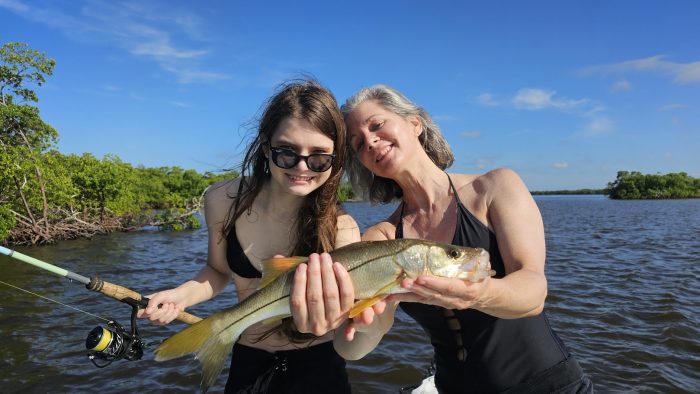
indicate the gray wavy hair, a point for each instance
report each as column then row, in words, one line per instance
column 384, row 190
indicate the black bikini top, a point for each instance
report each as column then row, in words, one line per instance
column 237, row 260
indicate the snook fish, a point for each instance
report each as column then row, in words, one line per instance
column 375, row 267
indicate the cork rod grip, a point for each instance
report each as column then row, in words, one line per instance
column 119, row 293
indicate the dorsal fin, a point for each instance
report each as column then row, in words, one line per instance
column 276, row 266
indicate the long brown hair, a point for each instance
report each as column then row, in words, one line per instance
column 316, row 221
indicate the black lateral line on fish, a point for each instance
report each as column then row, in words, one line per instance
column 403, row 249
column 287, row 295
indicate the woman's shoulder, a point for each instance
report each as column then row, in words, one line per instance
column 488, row 182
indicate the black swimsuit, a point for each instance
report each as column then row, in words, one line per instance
column 316, row 369
column 485, row 354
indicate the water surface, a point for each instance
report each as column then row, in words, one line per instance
column 624, row 292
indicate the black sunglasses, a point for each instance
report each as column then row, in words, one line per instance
column 287, row 158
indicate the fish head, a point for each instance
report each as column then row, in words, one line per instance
column 459, row 262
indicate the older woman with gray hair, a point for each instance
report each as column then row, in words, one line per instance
column 489, row 336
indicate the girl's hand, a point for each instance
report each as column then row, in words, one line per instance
column 163, row 307
column 449, row 293
column 322, row 295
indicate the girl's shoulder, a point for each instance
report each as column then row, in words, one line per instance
column 345, row 220
column 347, row 230
column 219, row 197
column 228, row 187
column 386, row 229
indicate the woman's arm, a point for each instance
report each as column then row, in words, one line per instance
column 519, row 229
column 164, row 306
column 516, row 221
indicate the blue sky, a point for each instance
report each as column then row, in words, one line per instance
column 566, row 93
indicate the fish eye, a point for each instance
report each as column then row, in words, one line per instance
column 454, row 253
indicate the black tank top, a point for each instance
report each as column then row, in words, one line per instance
column 485, row 354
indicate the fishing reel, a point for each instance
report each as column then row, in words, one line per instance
column 114, row 342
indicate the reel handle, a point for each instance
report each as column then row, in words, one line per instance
column 120, row 293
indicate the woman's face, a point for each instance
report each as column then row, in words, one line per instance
column 382, row 139
column 298, row 137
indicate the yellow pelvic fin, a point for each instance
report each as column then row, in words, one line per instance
column 276, row 266
column 274, row 319
column 361, row 305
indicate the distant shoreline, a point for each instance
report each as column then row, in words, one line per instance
column 568, row 192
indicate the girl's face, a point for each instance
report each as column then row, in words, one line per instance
column 382, row 139
column 293, row 138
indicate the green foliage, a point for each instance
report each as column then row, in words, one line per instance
column 7, row 221
column 19, row 66
column 176, row 219
column 43, row 191
column 635, row 185
column 345, row 192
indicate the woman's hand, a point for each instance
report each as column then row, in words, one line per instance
column 322, row 295
column 449, row 293
column 163, row 307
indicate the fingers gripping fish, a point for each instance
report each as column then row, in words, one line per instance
column 376, row 269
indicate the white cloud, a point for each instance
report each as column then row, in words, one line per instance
column 621, row 86
column 536, row 99
column 682, row 73
column 599, row 125
column 561, row 166
column 487, row 99
column 671, row 107
column 470, row 134
column 186, row 76
column 164, row 35
column 483, row 163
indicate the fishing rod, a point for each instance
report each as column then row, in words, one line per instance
column 104, row 343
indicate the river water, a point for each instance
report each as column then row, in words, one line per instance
column 624, row 295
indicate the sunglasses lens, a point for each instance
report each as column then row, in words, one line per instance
column 286, row 159
column 319, row 163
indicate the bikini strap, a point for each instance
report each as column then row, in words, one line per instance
column 454, row 191
column 398, row 234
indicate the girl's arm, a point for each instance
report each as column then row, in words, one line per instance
column 164, row 306
column 355, row 338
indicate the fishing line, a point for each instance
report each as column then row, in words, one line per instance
column 57, row 302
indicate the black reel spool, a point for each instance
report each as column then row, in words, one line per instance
column 114, row 342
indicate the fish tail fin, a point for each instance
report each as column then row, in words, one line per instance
column 210, row 339
column 212, row 356
column 189, row 340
